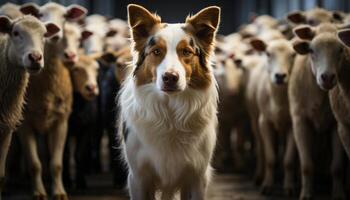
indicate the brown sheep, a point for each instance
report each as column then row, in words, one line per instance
column 22, row 51
column 50, row 96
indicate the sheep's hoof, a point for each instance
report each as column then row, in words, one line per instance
column 266, row 190
column 40, row 197
column 306, row 197
column 258, row 180
column 290, row 191
column 338, row 197
column 60, row 197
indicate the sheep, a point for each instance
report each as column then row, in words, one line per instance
column 21, row 54
column 339, row 95
column 314, row 17
column 111, row 79
column 232, row 114
column 11, row 10
column 314, row 73
column 274, row 117
column 49, row 103
column 97, row 26
column 256, row 63
column 82, row 121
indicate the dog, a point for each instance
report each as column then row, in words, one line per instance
column 168, row 105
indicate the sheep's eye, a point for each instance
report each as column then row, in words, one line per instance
column 16, row 33
column 186, row 53
column 156, row 52
column 268, row 54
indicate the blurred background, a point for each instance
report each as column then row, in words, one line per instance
column 234, row 12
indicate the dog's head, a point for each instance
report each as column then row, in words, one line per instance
column 173, row 57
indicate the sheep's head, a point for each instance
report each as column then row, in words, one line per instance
column 84, row 76
column 280, row 58
column 27, row 36
column 324, row 49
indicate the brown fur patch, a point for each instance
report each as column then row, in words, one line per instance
column 146, row 72
column 197, row 75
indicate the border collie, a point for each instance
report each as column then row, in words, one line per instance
column 169, row 105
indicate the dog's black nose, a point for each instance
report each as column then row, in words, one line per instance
column 170, row 78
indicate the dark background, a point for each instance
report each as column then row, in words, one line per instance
column 234, row 12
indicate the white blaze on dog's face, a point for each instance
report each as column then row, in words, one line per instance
column 325, row 51
column 173, row 57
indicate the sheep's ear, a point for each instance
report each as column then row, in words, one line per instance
column 338, row 16
column 109, row 57
column 141, row 23
column 304, row 32
column 344, row 37
column 204, row 25
column 258, row 44
column 297, row 17
column 75, row 12
column 30, row 9
column 111, row 33
column 86, row 34
column 5, row 24
column 302, row 47
column 51, row 29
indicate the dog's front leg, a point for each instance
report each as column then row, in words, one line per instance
column 196, row 190
column 139, row 190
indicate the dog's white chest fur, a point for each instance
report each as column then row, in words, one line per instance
column 170, row 135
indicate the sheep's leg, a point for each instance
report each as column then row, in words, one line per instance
column 223, row 155
column 337, row 169
column 268, row 137
column 289, row 165
column 303, row 142
column 344, row 135
column 28, row 140
column 57, row 139
column 260, row 157
column 5, row 141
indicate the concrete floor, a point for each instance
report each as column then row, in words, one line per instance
column 223, row 187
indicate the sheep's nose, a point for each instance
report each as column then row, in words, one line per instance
column 35, row 57
column 328, row 78
column 90, row 88
column 170, row 78
column 69, row 55
column 280, row 78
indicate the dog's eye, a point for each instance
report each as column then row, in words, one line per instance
column 186, row 53
column 156, row 52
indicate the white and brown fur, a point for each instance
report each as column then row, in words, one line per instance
column 170, row 131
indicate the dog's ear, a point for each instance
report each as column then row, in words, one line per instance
column 141, row 23
column 204, row 25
